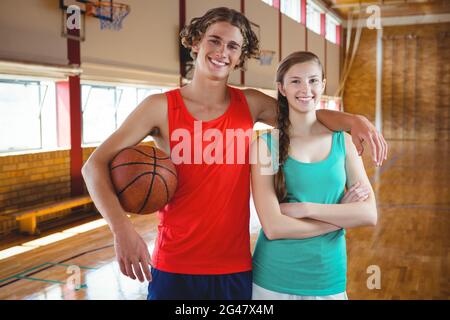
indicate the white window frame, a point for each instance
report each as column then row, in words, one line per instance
column 118, row 90
column 331, row 25
column 45, row 115
column 269, row 2
column 313, row 12
column 291, row 8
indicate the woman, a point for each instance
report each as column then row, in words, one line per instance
column 301, row 250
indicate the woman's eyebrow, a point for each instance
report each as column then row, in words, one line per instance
column 297, row 77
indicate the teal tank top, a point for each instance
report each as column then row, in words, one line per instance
column 314, row 266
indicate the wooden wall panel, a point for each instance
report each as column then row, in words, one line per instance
column 416, row 76
column 387, row 83
column 359, row 93
column 443, row 107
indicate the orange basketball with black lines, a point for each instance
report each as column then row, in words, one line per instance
column 144, row 178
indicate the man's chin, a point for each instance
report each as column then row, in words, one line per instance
column 214, row 75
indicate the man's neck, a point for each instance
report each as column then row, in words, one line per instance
column 210, row 92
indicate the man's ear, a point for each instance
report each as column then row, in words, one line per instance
column 195, row 47
column 281, row 89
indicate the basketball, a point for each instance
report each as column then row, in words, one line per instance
column 144, row 178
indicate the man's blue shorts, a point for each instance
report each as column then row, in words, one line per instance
column 175, row 286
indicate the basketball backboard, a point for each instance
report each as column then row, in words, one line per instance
column 86, row 6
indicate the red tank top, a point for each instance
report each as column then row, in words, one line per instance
column 205, row 227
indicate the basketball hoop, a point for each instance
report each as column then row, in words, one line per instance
column 111, row 15
column 265, row 57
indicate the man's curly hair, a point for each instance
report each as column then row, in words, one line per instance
column 198, row 26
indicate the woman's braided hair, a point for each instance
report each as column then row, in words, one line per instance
column 283, row 123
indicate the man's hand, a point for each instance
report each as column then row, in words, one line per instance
column 363, row 130
column 132, row 254
column 356, row 193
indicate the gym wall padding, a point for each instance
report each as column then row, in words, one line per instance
column 332, row 69
column 293, row 36
column 316, row 44
column 267, row 17
column 30, row 32
column 145, row 50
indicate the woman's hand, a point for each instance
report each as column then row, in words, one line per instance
column 356, row 193
column 294, row 209
column 299, row 210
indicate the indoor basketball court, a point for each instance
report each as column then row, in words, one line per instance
column 71, row 71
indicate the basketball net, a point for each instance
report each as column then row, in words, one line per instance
column 265, row 57
column 110, row 15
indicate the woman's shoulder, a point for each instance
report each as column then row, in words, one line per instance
column 320, row 130
column 349, row 145
column 346, row 136
column 341, row 138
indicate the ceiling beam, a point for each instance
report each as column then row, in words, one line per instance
column 383, row 4
column 408, row 20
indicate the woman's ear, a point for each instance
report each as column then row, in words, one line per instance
column 324, row 82
column 281, row 89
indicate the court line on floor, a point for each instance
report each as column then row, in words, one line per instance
column 82, row 286
column 18, row 276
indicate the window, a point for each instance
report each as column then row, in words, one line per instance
column 27, row 114
column 291, row 8
column 313, row 17
column 99, row 106
column 106, row 107
column 331, row 25
column 28, row 111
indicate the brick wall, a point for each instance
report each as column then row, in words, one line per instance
column 32, row 179
column 29, row 179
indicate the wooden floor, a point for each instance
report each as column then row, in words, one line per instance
column 410, row 244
